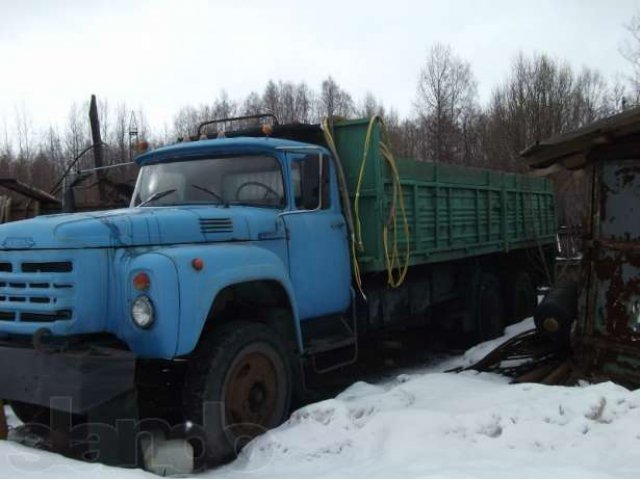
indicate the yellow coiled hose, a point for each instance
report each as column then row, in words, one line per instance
column 396, row 269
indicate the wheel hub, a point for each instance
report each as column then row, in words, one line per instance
column 251, row 395
column 257, row 396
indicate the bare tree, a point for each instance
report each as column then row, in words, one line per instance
column 104, row 116
column 223, row 107
column 590, row 97
column 252, row 105
column 630, row 50
column 287, row 101
column 6, row 150
column 186, row 121
column 370, row 106
column 617, row 97
column 334, row 101
column 304, row 100
column 119, row 137
column 76, row 135
column 144, row 132
column 271, row 99
column 541, row 98
column 24, row 133
column 445, row 95
column 53, row 149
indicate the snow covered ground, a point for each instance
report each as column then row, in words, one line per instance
column 425, row 423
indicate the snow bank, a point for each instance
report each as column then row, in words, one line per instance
column 447, row 425
column 17, row 461
column 424, row 423
column 432, row 424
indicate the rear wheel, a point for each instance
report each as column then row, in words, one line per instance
column 489, row 307
column 523, row 296
column 239, row 385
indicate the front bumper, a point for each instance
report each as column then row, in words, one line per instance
column 74, row 380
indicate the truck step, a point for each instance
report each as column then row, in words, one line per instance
column 326, row 344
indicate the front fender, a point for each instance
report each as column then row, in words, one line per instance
column 160, row 340
column 224, row 265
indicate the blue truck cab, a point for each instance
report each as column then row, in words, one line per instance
column 228, row 246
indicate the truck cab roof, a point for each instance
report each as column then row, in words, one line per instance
column 191, row 150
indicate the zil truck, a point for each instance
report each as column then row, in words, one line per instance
column 249, row 259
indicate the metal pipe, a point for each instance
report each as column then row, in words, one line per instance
column 106, row 167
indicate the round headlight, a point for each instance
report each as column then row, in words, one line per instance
column 142, row 312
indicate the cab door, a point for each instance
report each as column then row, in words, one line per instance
column 317, row 237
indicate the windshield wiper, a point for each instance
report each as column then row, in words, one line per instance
column 210, row 192
column 157, row 196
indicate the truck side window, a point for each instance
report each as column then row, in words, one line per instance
column 306, row 182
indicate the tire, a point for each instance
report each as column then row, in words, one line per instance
column 489, row 307
column 238, row 385
column 523, row 297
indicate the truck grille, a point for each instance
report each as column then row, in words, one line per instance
column 216, row 225
column 47, row 267
column 36, row 291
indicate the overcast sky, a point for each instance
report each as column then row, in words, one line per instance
column 162, row 55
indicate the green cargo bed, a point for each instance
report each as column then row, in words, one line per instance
column 453, row 211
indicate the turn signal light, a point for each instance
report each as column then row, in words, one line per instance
column 267, row 129
column 142, row 146
column 197, row 264
column 141, row 281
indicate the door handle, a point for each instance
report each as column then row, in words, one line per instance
column 338, row 224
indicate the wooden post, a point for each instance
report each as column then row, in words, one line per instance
column 98, row 158
column 4, row 430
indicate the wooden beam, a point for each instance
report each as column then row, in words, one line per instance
column 28, row 191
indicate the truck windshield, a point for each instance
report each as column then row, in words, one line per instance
column 244, row 180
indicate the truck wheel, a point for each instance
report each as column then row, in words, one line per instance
column 489, row 307
column 524, row 299
column 239, row 384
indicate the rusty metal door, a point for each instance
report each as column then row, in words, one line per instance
column 615, row 268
